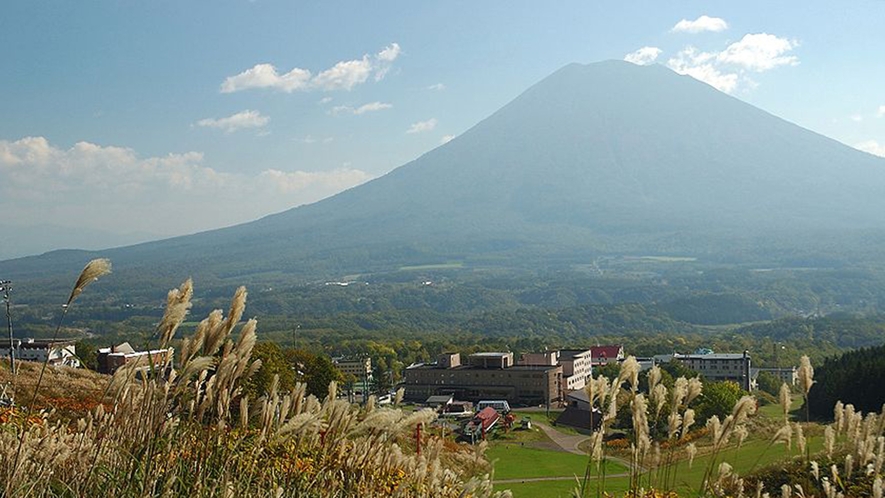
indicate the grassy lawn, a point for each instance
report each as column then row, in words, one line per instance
column 513, row 461
column 753, row 455
column 773, row 411
column 554, row 489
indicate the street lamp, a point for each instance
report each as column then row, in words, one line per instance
column 5, row 287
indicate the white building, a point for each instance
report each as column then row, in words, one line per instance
column 56, row 352
column 720, row 366
column 576, row 365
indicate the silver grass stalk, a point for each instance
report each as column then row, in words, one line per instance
column 654, row 377
column 800, row 439
column 829, row 440
column 695, row 387
column 715, row 427
column 783, row 435
column 687, row 421
column 178, row 302
column 877, row 487
column 806, row 374
column 678, row 393
column 659, row 398
column 630, row 373
column 692, row 451
column 244, row 412
column 839, row 416
column 815, row 470
column 237, row 307
column 91, row 272
column 742, row 432
column 786, row 491
column 785, row 401
column 674, row 422
column 849, row 466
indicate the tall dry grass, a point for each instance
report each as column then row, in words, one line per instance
column 190, row 431
column 851, row 464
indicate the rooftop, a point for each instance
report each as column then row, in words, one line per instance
column 710, row 356
column 518, row 368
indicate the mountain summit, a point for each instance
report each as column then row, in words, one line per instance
column 600, row 158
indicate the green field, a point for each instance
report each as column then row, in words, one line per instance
column 534, row 461
column 515, row 461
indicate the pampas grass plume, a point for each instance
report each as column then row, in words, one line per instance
column 91, row 272
column 806, row 374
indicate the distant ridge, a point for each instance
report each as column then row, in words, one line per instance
column 604, row 158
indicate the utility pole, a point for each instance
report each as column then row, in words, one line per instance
column 6, row 286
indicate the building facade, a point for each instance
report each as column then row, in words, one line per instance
column 720, row 366
column 576, row 365
column 787, row 375
column 55, row 352
column 114, row 357
column 601, row 355
column 361, row 368
column 486, row 376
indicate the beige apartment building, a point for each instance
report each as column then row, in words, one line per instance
column 485, row 376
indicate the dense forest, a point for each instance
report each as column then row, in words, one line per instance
column 852, row 378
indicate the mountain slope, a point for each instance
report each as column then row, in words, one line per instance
column 605, row 157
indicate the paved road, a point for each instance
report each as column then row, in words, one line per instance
column 568, row 442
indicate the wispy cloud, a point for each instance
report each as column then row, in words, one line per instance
column 43, row 183
column 881, row 111
column 857, row 118
column 238, row 121
column 703, row 23
column 325, row 100
column 344, row 75
column 422, row 126
column 370, row 107
column 871, row 146
column 727, row 69
column 446, row 139
column 437, row 87
column 643, row 56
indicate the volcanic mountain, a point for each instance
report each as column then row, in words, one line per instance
column 605, row 158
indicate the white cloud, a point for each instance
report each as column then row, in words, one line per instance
column 422, row 126
column 643, row 56
column 871, row 146
column 727, row 70
column 446, row 139
column 881, row 111
column 266, row 76
column 702, row 66
column 173, row 194
column 437, row 87
column 857, row 118
column 325, row 100
column 344, row 75
column 760, row 52
column 370, row 107
column 703, row 23
column 240, row 120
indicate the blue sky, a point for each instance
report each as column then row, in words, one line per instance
column 168, row 117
